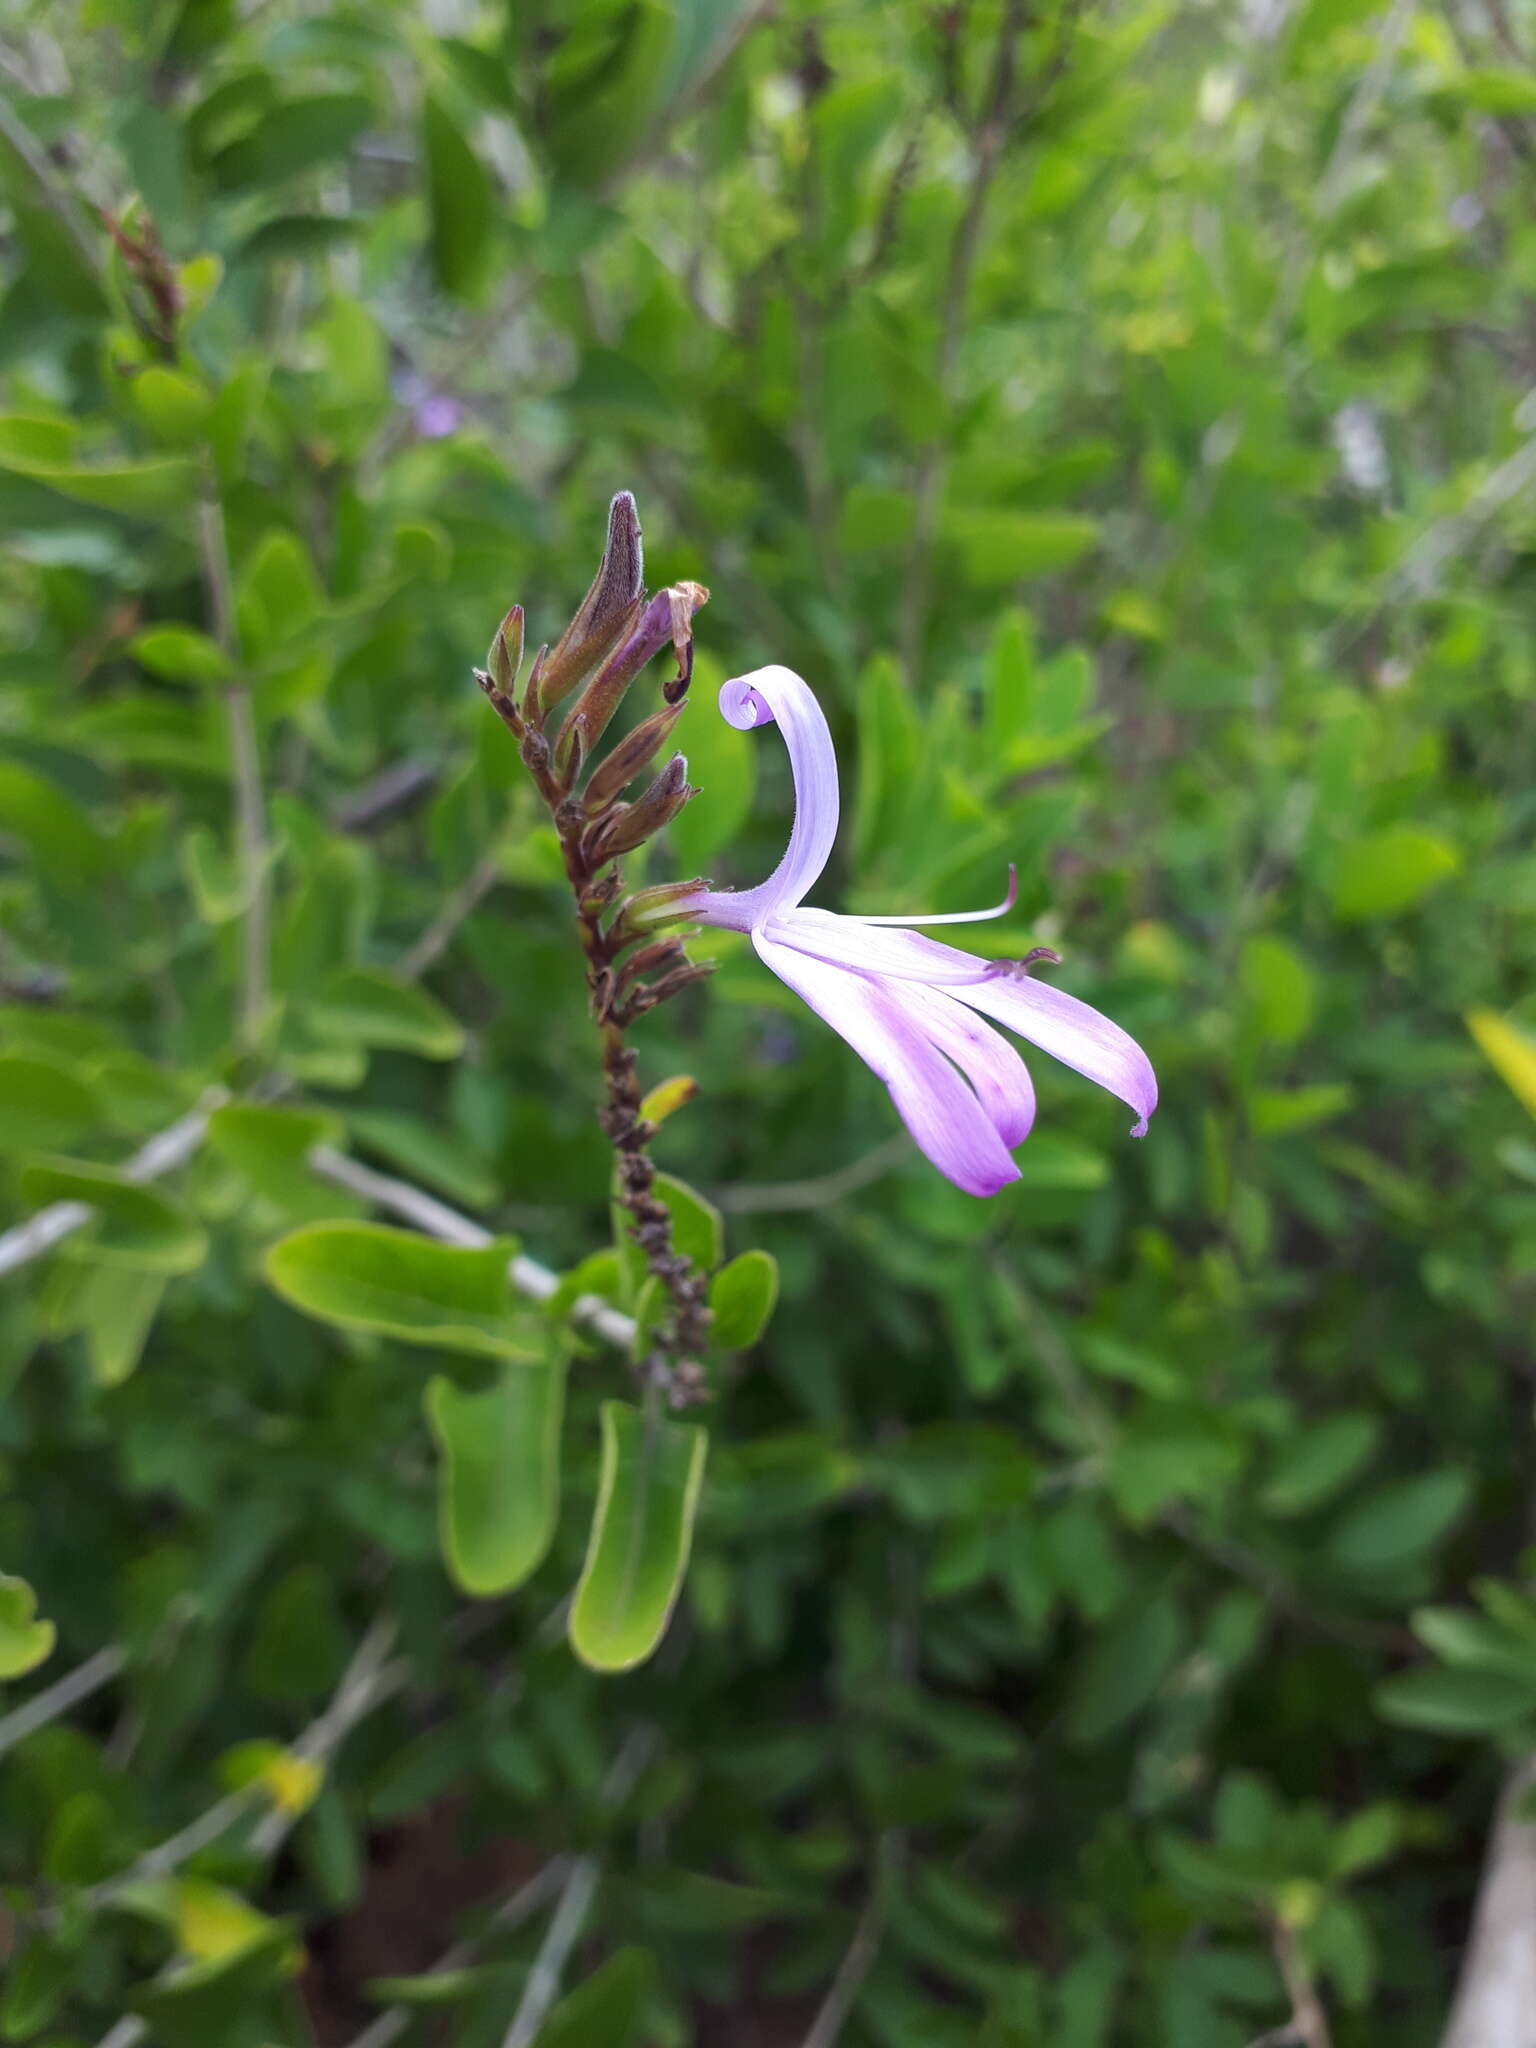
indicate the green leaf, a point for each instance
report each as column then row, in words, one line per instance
column 499, row 1486
column 1275, row 1112
column 37, row 1978
column 1387, row 872
column 270, row 1147
column 460, row 208
column 1312, row 1466
column 367, row 1276
column 609, row 2008
column 1458, row 1636
column 1123, row 1667
column 25, row 1642
column 1451, row 1701
column 135, row 1225
column 1510, row 1051
column 605, row 88
column 44, row 1104
column 143, row 486
column 363, row 1006
column 116, row 1309
column 427, row 1152
column 293, row 137
column 742, row 1296
column 220, row 886
column 173, row 406
column 997, row 547
column 1279, row 987
column 180, row 654
column 58, row 831
column 697, row 1231
column 1397, row 1523
column 642, row 1529
column 956, row 1469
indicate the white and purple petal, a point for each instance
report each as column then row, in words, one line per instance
column 1069, row 1030
column 892, row 1036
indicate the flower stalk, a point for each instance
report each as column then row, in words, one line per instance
column 614, row 634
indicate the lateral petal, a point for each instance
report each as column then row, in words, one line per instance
column 1069, row 1030
column 892, row 1036
column 1072, row 1032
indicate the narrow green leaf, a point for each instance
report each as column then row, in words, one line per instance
column 642, row 1529
column 1123, row 1667
column 499, row 1482
column 610, row 2007
column 293, row 137
column 459, row 203
column 116, row 1309
column 1388, row 872
column 742, row 1296
column 44, row 1104
column 362, row 1006
column 1456, row 1701
column 1396, row 1524
column 134, row 1225
column 367, row 1276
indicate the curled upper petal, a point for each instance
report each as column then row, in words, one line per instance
column 893, row 1035
column 777, row 696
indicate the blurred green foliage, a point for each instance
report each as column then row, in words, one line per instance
column 1107, row 1608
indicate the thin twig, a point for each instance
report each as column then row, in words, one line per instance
column 1415, row 576
column 999, row 118
column 368, row 1679
column 245, row 763
column 125, row 2033
column 58, row 1698
column 457, row 905
column 1496, row 1994
column 823, row 1189
column 1309, row 2023
column 438, row 1220
column 56, row 197
column 543, row 1985
column 521, row 1906
column 859, row 1957
column 366, row 1684
column 168, row 1149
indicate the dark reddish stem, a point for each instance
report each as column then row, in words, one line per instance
column 618, row 997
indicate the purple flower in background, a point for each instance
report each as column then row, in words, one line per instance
column 439, row 416
column 434, row 414
column 906, row 1003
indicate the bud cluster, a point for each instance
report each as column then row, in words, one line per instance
column 615, row 632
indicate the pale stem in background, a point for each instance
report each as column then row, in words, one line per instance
column 245, row 763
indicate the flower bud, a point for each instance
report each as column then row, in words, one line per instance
column 506, row 655
column 605, row 614
column 630, row 757
column 627, row 826
column 666, row 619
column 648, row 909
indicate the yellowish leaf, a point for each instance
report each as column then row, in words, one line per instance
column 1508, row 1050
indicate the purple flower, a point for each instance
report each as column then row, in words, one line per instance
column 905, row 1003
